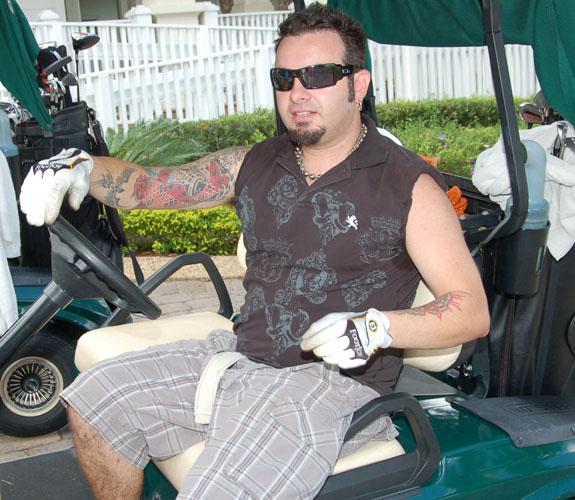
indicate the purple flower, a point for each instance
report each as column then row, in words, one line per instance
column 442, row 137
column 472, row 162
column 471, row 171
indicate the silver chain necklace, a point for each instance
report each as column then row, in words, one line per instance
column 299, row 153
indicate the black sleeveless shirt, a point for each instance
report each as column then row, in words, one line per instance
column 335, row 246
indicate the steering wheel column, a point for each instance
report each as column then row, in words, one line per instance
column 79, row 271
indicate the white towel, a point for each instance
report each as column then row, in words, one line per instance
column 9, row 245
column 491, row 178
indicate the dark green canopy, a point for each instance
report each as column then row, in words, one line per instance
column 547, row 25
column 18, row 52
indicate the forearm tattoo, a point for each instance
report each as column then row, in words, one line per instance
column 210, row 179
column 446, row 303
column 114, row 186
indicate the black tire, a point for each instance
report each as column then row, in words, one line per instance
column 32, row 382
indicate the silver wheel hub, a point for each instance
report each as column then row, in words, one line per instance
column 30, row 386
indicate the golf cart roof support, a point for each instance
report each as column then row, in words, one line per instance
column 504, row 96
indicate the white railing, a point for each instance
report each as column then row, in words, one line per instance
column 254, row 19
column 144, row 72
column 124, row 44
column 200, row 87
column 418, row 73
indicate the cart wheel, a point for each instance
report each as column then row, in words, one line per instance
column 31, row 383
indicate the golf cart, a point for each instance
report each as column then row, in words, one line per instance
column 496, row 418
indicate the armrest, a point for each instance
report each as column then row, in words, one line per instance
column 399, row 473
column 119, row 316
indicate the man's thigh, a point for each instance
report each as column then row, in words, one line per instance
column 142, row 403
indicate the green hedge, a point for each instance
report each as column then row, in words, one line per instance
column 234, row 130
column 468, row 112
column 214, row 231
column 455, row 130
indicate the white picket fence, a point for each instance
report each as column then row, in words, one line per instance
column 124, row 45
column 419, row 73
column 145, row 72
column 254, row 19
column 187, row 89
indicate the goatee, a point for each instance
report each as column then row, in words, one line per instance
column 305, row 136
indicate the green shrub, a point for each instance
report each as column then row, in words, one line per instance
column 158, row 143
column 214, row 231
column 233, row 130
column 456, row 147
column 468, row 112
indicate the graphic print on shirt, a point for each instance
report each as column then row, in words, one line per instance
column 332, row 214
column 309, row 277
column 282, row 197
column 285, row 327
column 245, row 208
column 255, row 301
column 357, row 291
column 382, row 241
column 286, row 320
column 274, row 260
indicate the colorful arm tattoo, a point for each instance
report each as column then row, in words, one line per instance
column 446, row 303
column 210, row 179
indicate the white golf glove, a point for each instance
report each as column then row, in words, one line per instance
column 48, row 182
column 348, row 339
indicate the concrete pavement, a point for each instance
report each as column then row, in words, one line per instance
column 176, row 296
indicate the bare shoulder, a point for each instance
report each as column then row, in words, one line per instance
column 435, row 240
column 430, row 202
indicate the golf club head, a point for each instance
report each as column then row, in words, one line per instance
column 83, row 41
column 70, row 80
column 530, row 113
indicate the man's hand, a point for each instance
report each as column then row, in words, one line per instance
column 48, row 182
column 348, row 339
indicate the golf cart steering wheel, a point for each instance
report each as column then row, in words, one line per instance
column 82, row 271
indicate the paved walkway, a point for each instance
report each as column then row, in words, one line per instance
column 188, row 291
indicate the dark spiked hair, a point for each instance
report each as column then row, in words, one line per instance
column 319, row 17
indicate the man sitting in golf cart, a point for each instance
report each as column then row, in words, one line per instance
column 340, row 225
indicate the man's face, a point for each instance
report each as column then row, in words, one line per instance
column 314, row 116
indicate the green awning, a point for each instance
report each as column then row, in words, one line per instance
column 18, row 52
column 547, row 25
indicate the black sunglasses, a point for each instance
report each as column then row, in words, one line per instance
column 312, row 77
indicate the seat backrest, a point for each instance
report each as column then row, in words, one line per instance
column 431, row 360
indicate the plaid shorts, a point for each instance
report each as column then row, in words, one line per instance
column 274, row 433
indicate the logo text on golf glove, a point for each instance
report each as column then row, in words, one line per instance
column 348, row 339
